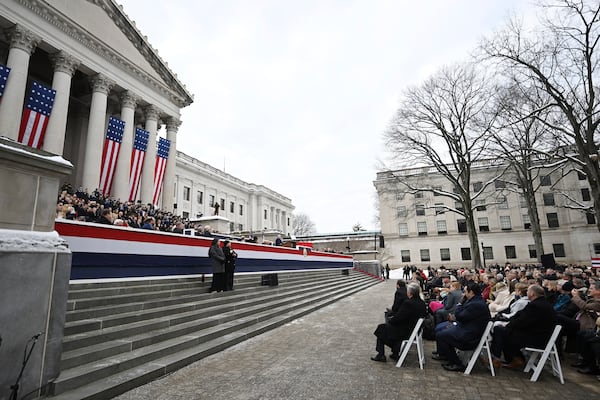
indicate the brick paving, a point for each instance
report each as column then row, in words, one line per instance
column 326, row 355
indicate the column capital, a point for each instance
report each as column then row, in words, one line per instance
column 22, row 38
column 101, row 83
column 173, row 124
column 64, row 62
column 151, row 112
column 128, row 99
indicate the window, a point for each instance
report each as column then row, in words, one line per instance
column 502, row 202
column 420, row 209
column 222, row 204
column 483, row 224
column 185, row 214
column 510, row 251
column 477, row 186
column 441, row 227
column 488, row 253
column 461, row 225
column 532, row 251
column 526, row 221
column 559, row 249
column 548, row 199
column 596, row 248
column 240, row 227
column 498, row 184
column 199, row 197
column 241, row 209
column 522, row 202
column 418, row 195
column 405, row 254
column 591, row 218
column 445, row 254
column 458, row 205
column 402, row 212
column 480, row 205
column 403, row 229
column 465, row 253
column 552, row 220
column 186, row 193
column 288, row 222
column 585, row 194
column 505, row 223
column 212, row 201
column 264, row 214
column 581, row 176
column 425, row 255
column 545, row 180
column 422, row 228
column 436, row 188
column 439, row 208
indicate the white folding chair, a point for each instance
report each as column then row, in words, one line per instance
column 484, row 343
column 416, row 338
column 543, row 354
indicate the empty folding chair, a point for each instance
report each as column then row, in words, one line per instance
column 543, row 354
column 416, row 338
column 484, row 343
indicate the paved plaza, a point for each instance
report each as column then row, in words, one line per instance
column 326, row 355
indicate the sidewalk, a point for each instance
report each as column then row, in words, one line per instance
column 326, row 355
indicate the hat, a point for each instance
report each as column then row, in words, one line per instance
column 452, row 278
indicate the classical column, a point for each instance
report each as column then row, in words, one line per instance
column 101, row 86
column 147, row 180
column 22, row 44
column 121, row 179
column 64, row 68
column 169, row 179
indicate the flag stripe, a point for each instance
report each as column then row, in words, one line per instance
column 137, row 162
column 162, row 155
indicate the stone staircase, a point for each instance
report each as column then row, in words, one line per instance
column 121, row 335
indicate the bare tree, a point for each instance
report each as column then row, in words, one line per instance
column 521, row 140
column 302, row 225
column 444, row 123
column 562, row 60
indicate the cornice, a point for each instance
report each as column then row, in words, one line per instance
column 176, row 92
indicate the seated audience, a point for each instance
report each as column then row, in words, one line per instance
column 502, row 299
column 450, row 301
column 470, row 319
column 401, row 324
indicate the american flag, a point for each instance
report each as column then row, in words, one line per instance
column 4, row 71
column 36, row 115
column 159, row 168
column 140, row 144
column 595, row 262
column 112, row 144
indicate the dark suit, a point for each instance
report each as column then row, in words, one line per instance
column 400, row 325
column 471, row 320
column 530, row 327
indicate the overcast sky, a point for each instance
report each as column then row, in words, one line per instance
column 295, row 95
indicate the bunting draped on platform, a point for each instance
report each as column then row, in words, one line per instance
column 36, row 115
column 112, row 144
column 137, row 161
column 4, row 71
column 159, row 168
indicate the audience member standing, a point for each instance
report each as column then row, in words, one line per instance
column 217, row 262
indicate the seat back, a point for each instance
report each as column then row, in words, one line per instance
column 416, row 339
column 484, row 343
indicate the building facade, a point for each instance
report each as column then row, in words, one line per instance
column 250, row 208
column 420, row 227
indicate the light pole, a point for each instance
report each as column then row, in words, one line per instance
column 483, row 255
column 348, row 243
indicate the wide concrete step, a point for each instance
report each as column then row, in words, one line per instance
column 191, row 312
column 113, row 376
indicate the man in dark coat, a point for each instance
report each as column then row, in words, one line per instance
column 530, row 327
column 400, row 325
column 399, row 297
column 471, row 318
column 217, row 262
